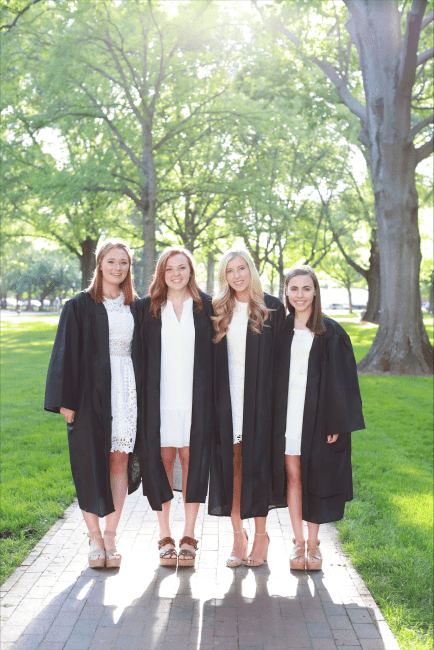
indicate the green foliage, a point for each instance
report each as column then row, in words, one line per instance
column 43, row 273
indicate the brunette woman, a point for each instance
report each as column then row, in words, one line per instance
column 91, row 382
column 176, row 400
column 317, row 406
column 246, row 322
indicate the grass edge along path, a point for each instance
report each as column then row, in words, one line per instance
column 386, row 531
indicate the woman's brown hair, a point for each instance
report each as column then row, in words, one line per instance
column 224, row 302
column 316, row 319
column 158, row 288
column 95, row 287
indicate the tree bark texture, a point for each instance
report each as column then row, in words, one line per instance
column 401, row 345
column 210, row 274
column 372, row 312
column 87, row 260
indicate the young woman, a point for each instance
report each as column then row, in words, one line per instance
column 91, row 382
column 176, row 400
column 246, row 322
column 317, row 406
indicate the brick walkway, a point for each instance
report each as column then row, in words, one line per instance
column 53, row 601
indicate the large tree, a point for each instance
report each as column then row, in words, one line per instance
column 394, row 72
column 147, row 77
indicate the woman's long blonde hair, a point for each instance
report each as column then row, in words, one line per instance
column 224, row 302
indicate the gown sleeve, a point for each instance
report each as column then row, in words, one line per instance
column 343, row 400
column 63, row 378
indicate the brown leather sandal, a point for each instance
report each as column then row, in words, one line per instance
column 314, row 557
column 297, row 559
column 187, row 557
column 168, row 557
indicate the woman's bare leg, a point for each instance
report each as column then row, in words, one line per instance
column 237, row 522
column 92, row 523
column 294, row 496
column 119, row 485
column 312, row 532
column 294, row 499
column 190, row 509
column 168, row 456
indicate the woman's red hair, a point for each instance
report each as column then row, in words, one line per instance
column 95, row 287
column 158, row 288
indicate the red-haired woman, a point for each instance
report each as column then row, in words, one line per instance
column 91, row 382
column 176, row 401
column 317, row 406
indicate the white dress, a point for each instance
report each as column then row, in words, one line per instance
column 176, row 383
column 236, row 340
column 123, row 386
column 300, row 351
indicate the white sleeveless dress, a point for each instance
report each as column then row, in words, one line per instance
column 300, row 351
column 176, row 383
column 123, row 384
column 236, row 341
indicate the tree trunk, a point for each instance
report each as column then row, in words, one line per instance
column 29, row 298
column 210, row 269
column 87, row 260
column 372, row 313
column 431, row 295
column 147, row 207
column 41, row 299
column 401, row 345
column 350, row 302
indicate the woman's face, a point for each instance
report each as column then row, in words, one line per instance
column 177, row 272
column 301, row 292
column 114, row 266
column 238, row 274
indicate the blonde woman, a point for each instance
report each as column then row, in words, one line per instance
column 92, row 382
column 245, row 322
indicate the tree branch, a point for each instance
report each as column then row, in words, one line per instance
column 339, row 82
column 406, row 76
column 427, row 20
column 425, row 56
column 424, row 151
column 18, row 16
column 421, row 125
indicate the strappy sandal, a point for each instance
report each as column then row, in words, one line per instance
column 297, row 559
column 235, row 560
column 113, row 558
column 259, row 560
column 314, row 557
column 168, row 557
column 95, row 556
column 187, row 557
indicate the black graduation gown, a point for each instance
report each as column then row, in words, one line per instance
column 149, row 465
column 332, row 406
column 257, row 418
column 79, row 378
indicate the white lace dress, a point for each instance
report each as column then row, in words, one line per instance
column 123, row 387
column 176, row 383
column 236, row 339
column 300, row 351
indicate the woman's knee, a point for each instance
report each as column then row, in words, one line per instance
column 118, row 462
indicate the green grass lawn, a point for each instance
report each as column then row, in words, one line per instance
column 387, row 530
column 36, row 484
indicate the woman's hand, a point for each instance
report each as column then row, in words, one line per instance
column 329, row 438
column 67, row 414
